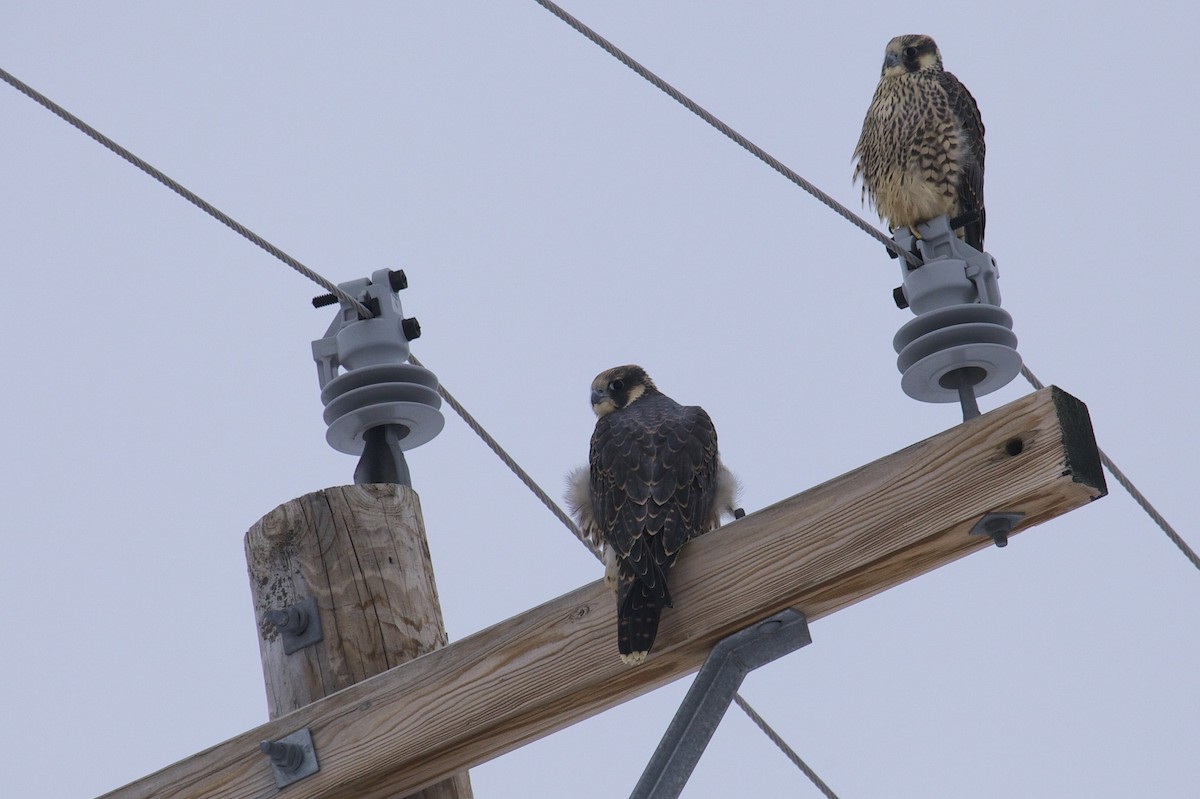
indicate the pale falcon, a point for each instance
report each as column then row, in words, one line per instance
column 921, row 150
column 654, row 481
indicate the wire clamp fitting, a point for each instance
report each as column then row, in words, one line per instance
column 961, row 344
column 377, row 404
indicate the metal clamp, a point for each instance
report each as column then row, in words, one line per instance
column 707, row 700
column 377, row 404
column 292, row 757
column 299, row 625
column 960, row 345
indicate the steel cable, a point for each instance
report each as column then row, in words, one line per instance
column 842, row 211
column 512, row 464
column 182, row 191
column 738, row 138
column 783, row 747
column 1128, row 485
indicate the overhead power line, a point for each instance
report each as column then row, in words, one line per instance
column 513, row 465
column 842, row 211
column 741, row 140
column 1128, row 485
column 777, row 739
column 363, row 311
column 181, row 190
column 312, row 275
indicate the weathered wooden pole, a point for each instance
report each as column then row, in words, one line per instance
column 360, row 552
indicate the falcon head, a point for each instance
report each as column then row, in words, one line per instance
column 913, row 52
column 619, row 387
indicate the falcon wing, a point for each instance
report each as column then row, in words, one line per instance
column 654, row 480
column 970, row 187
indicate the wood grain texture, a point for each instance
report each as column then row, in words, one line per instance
column 361, row 552
column 556, row 664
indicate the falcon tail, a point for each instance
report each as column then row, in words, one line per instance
column 637, row 623
column 971, row 224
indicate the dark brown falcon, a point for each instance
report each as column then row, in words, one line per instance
column 654, row 481
column 921, row 150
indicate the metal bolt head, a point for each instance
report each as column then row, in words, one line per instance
column 397, row 280
column 298, row 625
column 293, row 620
column 997, row 526
column 292, row 757
column 286, row 756
column 411, row 328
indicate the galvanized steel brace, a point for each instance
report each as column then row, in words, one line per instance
column 707, row 700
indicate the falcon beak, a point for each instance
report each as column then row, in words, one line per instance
column 597, row 396
column 891, row 60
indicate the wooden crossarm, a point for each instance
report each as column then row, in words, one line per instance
column 556, row 664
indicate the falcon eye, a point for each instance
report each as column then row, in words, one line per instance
column 910, row 52
column 616, row 385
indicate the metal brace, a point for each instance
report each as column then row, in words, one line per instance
column 997, row 525
column 299, row 625
column 292, row 757
column 707, row 700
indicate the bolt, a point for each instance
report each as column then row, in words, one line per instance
column 293, row 620
column 898, row 293
column 397, row 280
column 999, row 528
column 285, row 757
column 411, row 328
column 323, row 300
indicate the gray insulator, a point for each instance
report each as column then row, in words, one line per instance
column 382, row 459
column 961, row 343
column 377, row 387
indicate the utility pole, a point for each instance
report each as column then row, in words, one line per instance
column 358, row 556
column 341, row 579
column 344, row 589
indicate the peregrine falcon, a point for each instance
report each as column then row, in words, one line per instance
column 921, row 150
column 655, row 481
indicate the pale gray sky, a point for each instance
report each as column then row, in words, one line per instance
column 556, row 215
